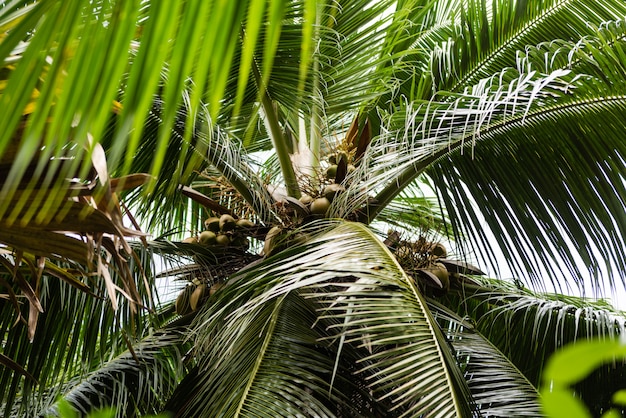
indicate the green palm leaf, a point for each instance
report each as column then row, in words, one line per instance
column 369, row 301
column 544, row 324
column 135, row 381
column 497, row 385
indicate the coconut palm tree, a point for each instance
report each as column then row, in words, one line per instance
column 321, row 177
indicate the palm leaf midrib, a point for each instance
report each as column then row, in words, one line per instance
column 510, row 44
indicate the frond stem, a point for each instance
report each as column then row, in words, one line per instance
column 279, row 140
column 388, row 193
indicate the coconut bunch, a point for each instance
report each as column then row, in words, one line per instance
column 224, row 231
column 279, row 238
column 194, row 295
column 317, row 201
column 426, row 261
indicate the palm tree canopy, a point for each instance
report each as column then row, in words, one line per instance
column 319, row 124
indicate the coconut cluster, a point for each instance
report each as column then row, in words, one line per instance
column 193, row 295
column 427, row 263
column 332, row 184
column 224, row 231
column 424, row 257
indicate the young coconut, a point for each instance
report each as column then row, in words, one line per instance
column 306, row 200
column 191, row 240
column 222, row 240
column 212, row 224
column 245, row 224
column 182, row 301
column 207, row 238
column 271, row 236
column 331, row 190
column 227, row 223
column 320, row 206
column 331, row 172
column 196, row 296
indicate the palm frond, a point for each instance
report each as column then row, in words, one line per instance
column 77, row 331
column 543, row 323
column 498, row 116
column 416, row 135
column 55, row 54
column 135, row 382
column 582, row 154
column 373, row 306
column 275, row 368
column 415, row 210
column 489, row 37
column 497, row 386
column 212, row 149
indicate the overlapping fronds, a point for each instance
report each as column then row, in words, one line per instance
column 54, row 62
column 416, row 135
column 514, row 109
column 66, row 344
column 572, row 155
column 543, row 324
column 489, row 38
column 371, row 306
column 135, row 382
column 416, row 208
column 497, row 386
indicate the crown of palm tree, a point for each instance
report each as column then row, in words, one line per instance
column 351, row 157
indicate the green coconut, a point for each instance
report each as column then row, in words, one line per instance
column 191, row 240
column 305, row 199
column 331, row 190
column 320, row 206
column 227, row 222
column 207, row 238
column 331, row 172
column 245, row 224
column 212, row 224
column 222, row 240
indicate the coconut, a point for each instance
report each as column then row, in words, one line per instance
column 305, row 199
column 182, row 301
column 227, row 222
column 196, row 296
column 245, row 224
column 320, row 206
column 270, row 237
column 331, row 190
column 207, row 238
column 222, row 240
column 331, row 172
column 212, row 224
column 191, row 240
